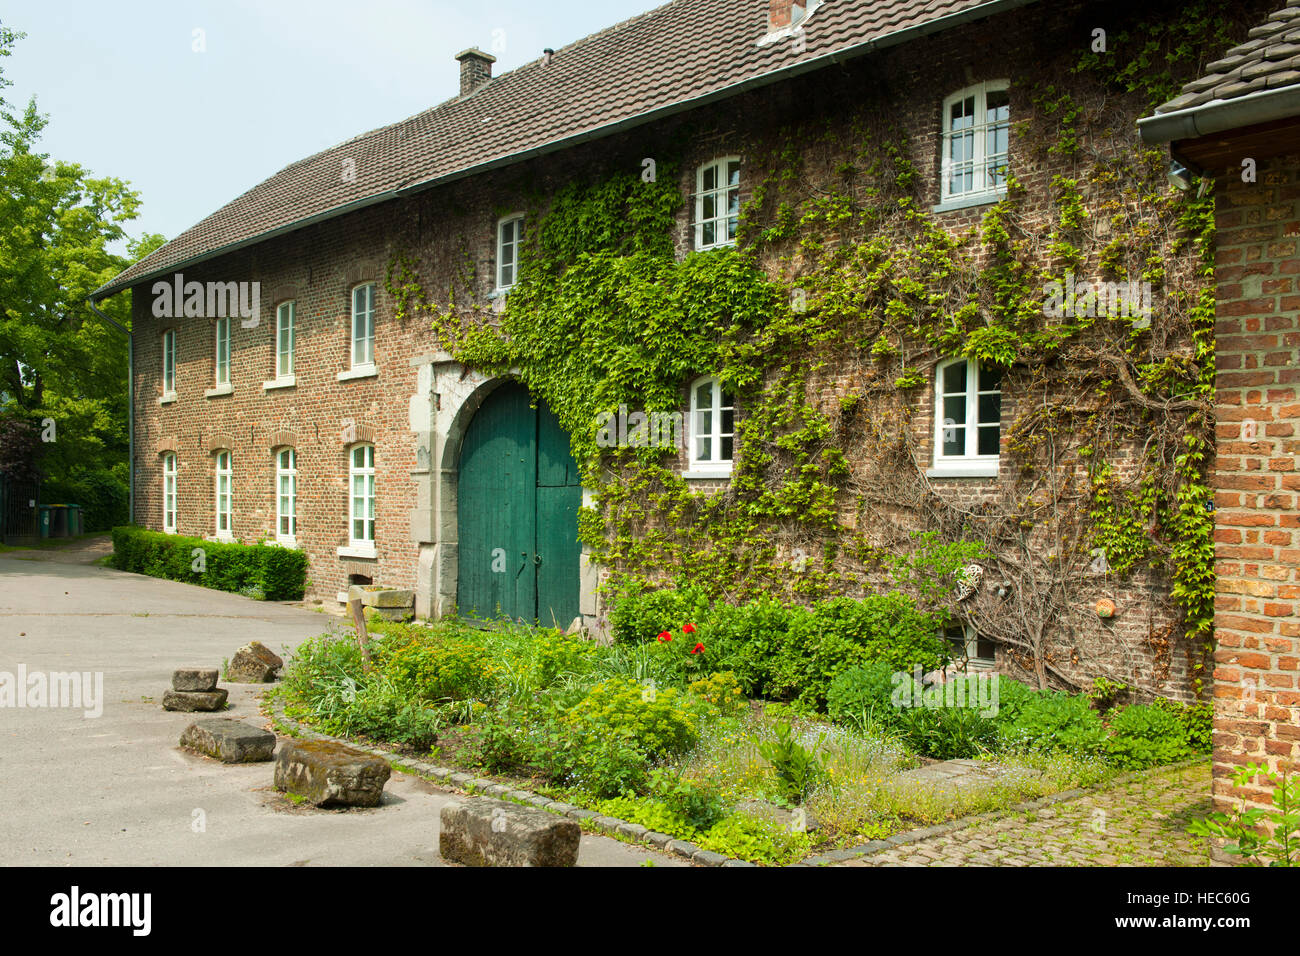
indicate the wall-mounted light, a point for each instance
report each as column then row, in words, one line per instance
column 1180, row 177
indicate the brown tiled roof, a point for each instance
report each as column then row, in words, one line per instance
column 681, row 54
column 1268, row 60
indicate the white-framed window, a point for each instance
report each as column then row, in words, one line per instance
column 286, row 495
column 169, row 492
column 968, row 416
column 224, row 474
column 363, row 325
column 712, row 433
column 169, row 362
column 969, row 649
column 223, row 351
column 976, row 128
column 361, row 473
column 717, row 203
column 510, row 234
column 284, row 332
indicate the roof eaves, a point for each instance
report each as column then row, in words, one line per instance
column 1221, row 116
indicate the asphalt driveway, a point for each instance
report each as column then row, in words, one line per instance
column 115, row 789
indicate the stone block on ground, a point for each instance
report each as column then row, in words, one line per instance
column 194, row 678
column 189, row 701
column 331, row 774
column 230, row 741
column 254, row 663
column 485, row 832
column 388, row 598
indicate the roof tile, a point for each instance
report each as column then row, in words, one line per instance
column 1269, row 60
column 675, row 54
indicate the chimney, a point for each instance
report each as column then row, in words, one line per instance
column 475, row 69
column 785, row 13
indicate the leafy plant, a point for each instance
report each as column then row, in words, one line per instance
column 1279, row 844
column 1055, row 723
column 798, row 769
column 1143, row 736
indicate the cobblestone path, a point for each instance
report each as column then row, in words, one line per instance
column 1141, row 822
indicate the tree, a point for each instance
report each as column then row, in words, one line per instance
column 59, row 361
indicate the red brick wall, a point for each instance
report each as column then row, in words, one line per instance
column 1256, row 688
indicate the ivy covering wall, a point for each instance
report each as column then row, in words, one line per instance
column 843, row 275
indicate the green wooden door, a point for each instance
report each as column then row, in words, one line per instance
column 517, row 501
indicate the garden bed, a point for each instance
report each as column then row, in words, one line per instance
column 655, row 734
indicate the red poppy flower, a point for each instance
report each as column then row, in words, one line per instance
column 697, row 648
column 688, row 628
column 665, row 636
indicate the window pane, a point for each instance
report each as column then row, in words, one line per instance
column 990, row 408
column 954, row 440
column 704, row 448
column 727, row 421
column 985, row 649
column 990, row 379
column 733, row 173
column 710, row 178
column 988, row 440
column 726, row 448
column 954, row 379
column 954, row 409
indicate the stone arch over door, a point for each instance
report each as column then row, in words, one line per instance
column 456, row 393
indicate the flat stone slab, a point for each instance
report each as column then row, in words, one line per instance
column 486, row 832
column 388, row 598
column 189, row 701
column 254, row 663
column 331, row 774
column 194, row 678
column 954, row 775
column 230, row 741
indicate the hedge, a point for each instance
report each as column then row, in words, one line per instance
column 279, row 573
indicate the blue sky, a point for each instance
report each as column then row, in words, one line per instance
column 127, row 94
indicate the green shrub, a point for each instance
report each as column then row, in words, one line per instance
column 639, row 612
column 841, row 633
column 1197, row 720
column 744, row 638
column 861, row 697
column 948, row 733
column 1143, row 736
column 697, row 804
column 445, row 667
column 748, row 838
column 278, row 573
column 1056, row 723
column 660, row 722
column 1013, row 697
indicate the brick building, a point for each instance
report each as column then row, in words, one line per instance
column 331, row 419
column 1240, row 124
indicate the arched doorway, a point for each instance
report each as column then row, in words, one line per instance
column 518, row 496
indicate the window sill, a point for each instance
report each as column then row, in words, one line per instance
column 966, row 202
column 285, row 542
column 225, row 389
column 716, row 245
column 287, row 381
column 222, row 537
column 167, row 398
column 358, row 551
column 706, row 472
column 499, row 293
column 972, row 470
column 359, row 371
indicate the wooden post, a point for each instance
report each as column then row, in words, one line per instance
column 359, row 620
